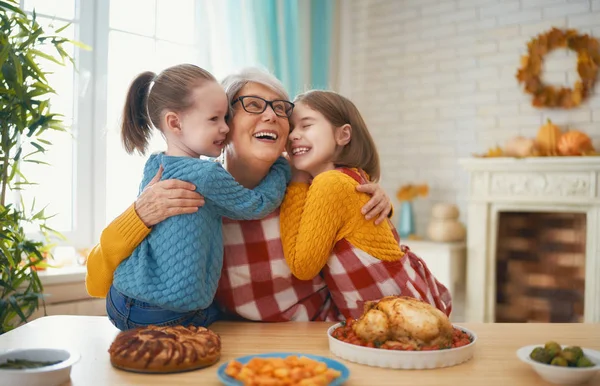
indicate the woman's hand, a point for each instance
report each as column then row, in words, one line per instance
column 379, row 204
column 162, row 199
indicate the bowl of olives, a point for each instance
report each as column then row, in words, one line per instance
column 36, row 366
column 560, row 364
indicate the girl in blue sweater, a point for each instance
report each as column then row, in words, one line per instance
column 172, row 276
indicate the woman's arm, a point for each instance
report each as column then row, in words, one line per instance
column 163, row 199
column 117, row 242
column 158, row 201
column 379, row 205
column 314, row 218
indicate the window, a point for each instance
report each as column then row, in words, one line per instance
column 55, row 183
column 91, row 179
column 163, row 34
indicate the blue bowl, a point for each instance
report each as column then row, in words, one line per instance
column 331, row 363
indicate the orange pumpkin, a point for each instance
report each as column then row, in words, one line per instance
column 575, row 143
column 547, row 139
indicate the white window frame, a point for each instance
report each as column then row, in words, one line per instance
column 90, row 117
column 97, row 187
column 81, row 234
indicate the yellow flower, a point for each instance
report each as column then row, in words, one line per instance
column 409, row 192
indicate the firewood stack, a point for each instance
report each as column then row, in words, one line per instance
column 540, row 267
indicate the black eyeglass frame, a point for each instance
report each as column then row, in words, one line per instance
column 267, row 103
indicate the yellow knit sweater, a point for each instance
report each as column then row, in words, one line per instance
column 117, row 242
column 314, row 218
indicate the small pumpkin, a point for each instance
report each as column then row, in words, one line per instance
column 547, row 139
column 444, row 211
column 573, row 143
column 520, row 147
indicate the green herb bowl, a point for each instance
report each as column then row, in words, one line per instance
column 57, row 372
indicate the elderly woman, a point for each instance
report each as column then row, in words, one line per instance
column 256, row 283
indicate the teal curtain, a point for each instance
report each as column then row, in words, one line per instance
column 321, row 21
column 282, row 36
column 290, row 38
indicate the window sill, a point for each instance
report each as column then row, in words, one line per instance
column 62, row 275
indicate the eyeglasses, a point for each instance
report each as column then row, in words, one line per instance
column 257, row 105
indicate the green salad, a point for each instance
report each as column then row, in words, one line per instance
column 21, row 364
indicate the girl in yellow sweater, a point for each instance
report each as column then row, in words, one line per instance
column 321, row 226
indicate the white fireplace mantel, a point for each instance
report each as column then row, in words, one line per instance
column 540, row 184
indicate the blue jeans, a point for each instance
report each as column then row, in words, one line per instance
column 127, row 313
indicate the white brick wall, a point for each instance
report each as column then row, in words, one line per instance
column 435, row 80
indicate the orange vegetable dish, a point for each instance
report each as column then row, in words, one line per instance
column 346, row 334
column 290, row 371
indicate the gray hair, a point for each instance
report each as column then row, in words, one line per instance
column 233, row 83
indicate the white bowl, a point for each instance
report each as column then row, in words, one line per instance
column 397, row 359
column 43, row 376
column 562, row 375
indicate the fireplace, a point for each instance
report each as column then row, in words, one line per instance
column 533, row 226
column 540, row 267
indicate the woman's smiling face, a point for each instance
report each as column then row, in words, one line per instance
column 257, row 136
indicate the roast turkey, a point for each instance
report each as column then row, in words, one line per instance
column 408, row 321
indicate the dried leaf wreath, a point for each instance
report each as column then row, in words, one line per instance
column 588, row 60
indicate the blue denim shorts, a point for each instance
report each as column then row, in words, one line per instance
column 127, row 313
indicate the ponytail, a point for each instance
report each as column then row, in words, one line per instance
column 144, row 108
column 136, row 128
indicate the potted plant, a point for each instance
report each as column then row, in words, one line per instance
column 25, row 117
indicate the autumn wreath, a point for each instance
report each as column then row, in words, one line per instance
column 588, row 60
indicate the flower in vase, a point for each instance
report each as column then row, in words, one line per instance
column 406, row 194
column 409, row 192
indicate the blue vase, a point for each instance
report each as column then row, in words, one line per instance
column 406, row 222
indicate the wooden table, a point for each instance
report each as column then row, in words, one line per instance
column 494, row 363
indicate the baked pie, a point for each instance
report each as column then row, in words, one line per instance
column 168, row 349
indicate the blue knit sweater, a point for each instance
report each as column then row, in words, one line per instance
column 178, row 265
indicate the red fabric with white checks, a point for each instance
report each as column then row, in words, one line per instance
column 257, row 284
column 353, row 276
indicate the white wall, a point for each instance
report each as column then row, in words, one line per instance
column 435, row 80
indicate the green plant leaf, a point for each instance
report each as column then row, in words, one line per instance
column 14, row 8
column 37, row 162
column 38, row 146
column 62, row 28
column 8, row 256
column 7, row 91
column 46, row 56
column 79, row 45
column 18, row 68
column 31, row 63
column 42, row 86
column 6, row 286
column 44, row 141
column 4, row 53
column 26, row 116
column 39, row 215
column 16, row 308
